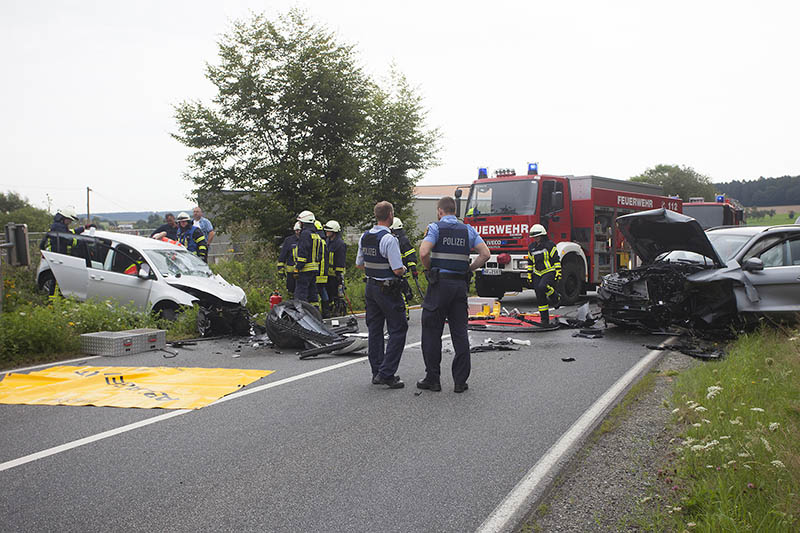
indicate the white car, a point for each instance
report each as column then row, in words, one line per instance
column 152, row 274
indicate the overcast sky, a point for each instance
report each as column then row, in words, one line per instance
column 585, row 87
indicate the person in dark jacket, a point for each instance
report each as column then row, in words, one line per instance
column 544, row 271
column 61, row 221
column 409, row 255
column 307, row 260
column 192, row 237
column 337, row 259
column 286, row 258
column 169, row 228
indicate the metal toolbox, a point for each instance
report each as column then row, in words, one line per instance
column 117, row 343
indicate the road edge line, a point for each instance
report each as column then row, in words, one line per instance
column 509, row 514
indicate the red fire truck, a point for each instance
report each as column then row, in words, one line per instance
column 579, row 212
column 722, row 212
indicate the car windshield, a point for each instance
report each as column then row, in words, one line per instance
column 177, row 263
column 684, row 256
column 502, row 198
column 727, row 244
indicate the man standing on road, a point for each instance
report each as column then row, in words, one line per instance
column 379, row 257
column 286, row 258
column 544, row 271
column 204, row 224
column 307, row 260
column 445, row 254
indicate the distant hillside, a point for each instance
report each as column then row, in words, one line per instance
column 133, row 216
column 764, row 192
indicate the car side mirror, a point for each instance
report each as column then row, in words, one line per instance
column 144, row 271
column 754, row 264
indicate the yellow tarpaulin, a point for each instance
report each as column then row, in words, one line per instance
column 121, row 386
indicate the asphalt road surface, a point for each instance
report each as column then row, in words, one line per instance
column 324, row 451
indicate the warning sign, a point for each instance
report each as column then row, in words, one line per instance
column 120, row 386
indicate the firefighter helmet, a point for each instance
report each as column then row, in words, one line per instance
column 396, row 224
column 68, row 212
column 298, row 226
column 333, row 226
column 307, row 217
column 537, row 230
column 183, row 215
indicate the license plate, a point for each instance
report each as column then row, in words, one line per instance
column 491, row 272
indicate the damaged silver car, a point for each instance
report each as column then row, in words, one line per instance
column 701, row 280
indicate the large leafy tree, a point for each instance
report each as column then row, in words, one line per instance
column 682, row 181
column 296, row 124
column 17, row 209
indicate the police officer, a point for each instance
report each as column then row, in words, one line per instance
column 286, row 258
column 445, row 254
column 322, row 276
column 192, row 237
column 379, row 257
column 337, row 259
column 544, row 270
column 307, row 261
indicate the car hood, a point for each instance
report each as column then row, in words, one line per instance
column 215, row 286
column 651, row 233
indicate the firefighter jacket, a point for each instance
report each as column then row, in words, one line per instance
column 451, row 251
column 62, row 246
column 407, row 251
column 543, row 258
column 308, row 253
column 322, row 257
column 287, row 253
column 193, row 238
column 337, row 256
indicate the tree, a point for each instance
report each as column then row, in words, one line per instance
column 681, row 181
column 296, row 124
column 17, row 209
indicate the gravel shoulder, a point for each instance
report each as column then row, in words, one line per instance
column 613, row 480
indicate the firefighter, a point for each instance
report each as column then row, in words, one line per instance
column 307, row 260
column 322, row 276
column 409, row 256
column 286, row 258
column 337, row 259
column 192, row 237
column 61, row 221
column 544, row 271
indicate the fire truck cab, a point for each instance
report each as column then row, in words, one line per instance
column 579, row 213
column 722, row 212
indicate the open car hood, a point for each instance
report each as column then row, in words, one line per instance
column 215, row 286
column 651, row 233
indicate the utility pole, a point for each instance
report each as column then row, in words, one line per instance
column 88, row 214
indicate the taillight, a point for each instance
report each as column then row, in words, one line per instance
column 503, row 259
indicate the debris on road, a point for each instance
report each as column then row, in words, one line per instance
column 698, row 349
column 589, row 333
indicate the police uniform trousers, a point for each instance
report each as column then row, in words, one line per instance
column 389, row 308
column 545, row 287
column 306, row 287
column 445, row 300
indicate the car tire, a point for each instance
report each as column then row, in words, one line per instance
column 487, row 288
column 47, row 283
column 167, row 311
column 572, row 281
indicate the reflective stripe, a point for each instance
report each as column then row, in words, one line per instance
column 544, row 307
column 377, row 266
column 451, row 257
column 411, row 251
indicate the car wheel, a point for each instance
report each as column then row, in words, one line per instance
column 572, row 282
column 488, row 288
column 47, row 283
column 167, row 311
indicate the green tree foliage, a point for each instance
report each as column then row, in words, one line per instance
column 682, row 181
column 764, row 191
column 296, row 124
column 15, row 208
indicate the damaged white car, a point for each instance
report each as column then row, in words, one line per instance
column 152, row 274
column 701, row 280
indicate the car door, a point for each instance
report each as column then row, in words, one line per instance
column 778, row 284
column 107, row 277
column 67, row 261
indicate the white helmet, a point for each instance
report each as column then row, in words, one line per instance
column 183, row 215
column 333, row 226
column 396, row 224
column 306, row 217
column 537, row 230
column 68, row 212
column 298, row 226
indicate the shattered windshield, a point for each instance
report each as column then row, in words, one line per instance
column 727, row 244
column 177, row 263
column 684, row 256
column 502, row 198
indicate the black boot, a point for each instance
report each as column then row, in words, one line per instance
column 545, row 317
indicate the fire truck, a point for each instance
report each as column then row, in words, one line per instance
column 579, row 213
column 722, row 212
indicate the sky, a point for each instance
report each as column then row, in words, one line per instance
column 582, row 87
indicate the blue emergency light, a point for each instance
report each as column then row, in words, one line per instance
column 720, row 198
column 533, row 169
column 482, row 173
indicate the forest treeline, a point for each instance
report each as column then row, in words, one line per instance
column 763, row 191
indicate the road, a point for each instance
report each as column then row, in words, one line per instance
column 325, row 451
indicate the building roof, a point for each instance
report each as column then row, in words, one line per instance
column 437, row 191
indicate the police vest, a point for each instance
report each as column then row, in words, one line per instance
column 451, row 251
column 375, row 265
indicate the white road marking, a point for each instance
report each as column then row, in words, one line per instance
column 512, row 510
column 16, row 370
column 172, row 414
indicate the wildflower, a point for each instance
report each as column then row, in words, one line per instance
column 777, row 464
column 691, row 404
column 713, row 390
column 747, row 467
column 700, row 409
column 675, row 487
column 71, row 323
column 675, row 410
column 774, row 426
column 757, row 409
column 769, row 361
column 709, row 466
column 706, row 420
column 21, row 313
column 751, row 486
column 691, row 524
column 725, row 437
column 698, row 447
column 697, row 424
column 743, row 454
column 766, row 444
column 736, row 422
column 676, row 509
column 646, row 499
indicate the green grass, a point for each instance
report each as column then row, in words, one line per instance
column 737, row 458
column 778, row 218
